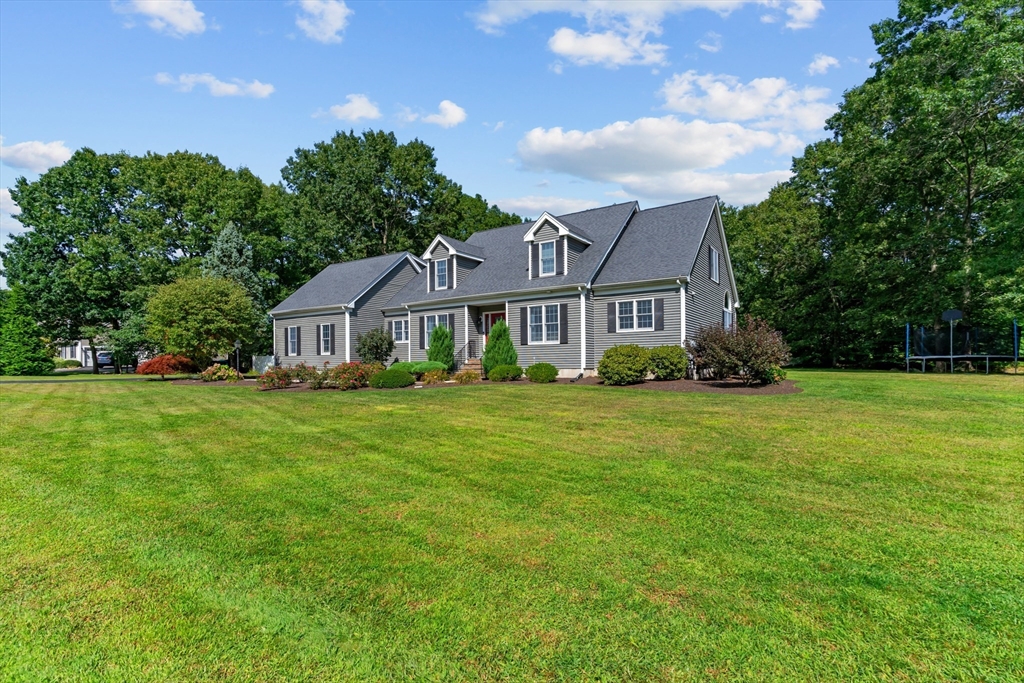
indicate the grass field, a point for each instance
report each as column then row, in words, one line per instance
column 871, row 527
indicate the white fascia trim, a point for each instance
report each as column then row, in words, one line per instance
column 638, row 285
column 495, row 298
column 302, row 312
column 614, row 243
column 452, row 251
column 562, row 229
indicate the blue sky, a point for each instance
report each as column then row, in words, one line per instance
column 555, row 106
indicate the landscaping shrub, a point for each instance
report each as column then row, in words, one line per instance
column 442, row 347
column 624, row 364
column 434, row 377
column 505, row 373
column 668, row 362
column 408, row 366
column 22, row 351
column 320, row 381
column 760, row 352
column 391, row 379
column 542, row 373
column 69, row 363
column 372, row 368
column 499, row 350
column 466, row 377
column 303, row 372
column 712, row 352
column 350, row 375
column 167, row 364
column 220, row 373
column 375, row 346
column 427, row 366
column 274, row 378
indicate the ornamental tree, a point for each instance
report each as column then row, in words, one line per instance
column 499, row 350
column 442, row 347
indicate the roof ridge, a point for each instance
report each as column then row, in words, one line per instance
column 685, row 201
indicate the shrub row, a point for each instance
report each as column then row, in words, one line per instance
column 631, row 364
column 344, row 377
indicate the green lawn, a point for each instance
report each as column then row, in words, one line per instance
column 871, row 527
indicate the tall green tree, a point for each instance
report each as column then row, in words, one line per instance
column 22, row 350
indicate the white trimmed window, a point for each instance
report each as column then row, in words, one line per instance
column 401, row 331
column 714, row 264
column 441, row 274
column 727, row 313
column 637, row 314
column 543, row 322
column 325, row 340
column 547, row 258
column 293, row 341
column 429, row 323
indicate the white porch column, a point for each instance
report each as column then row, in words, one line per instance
column 682, row 315
column 583, row 330
column 348, row 341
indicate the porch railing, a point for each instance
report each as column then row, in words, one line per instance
column 465, row 353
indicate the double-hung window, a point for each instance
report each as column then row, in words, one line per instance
column 547, row 258
column 325, row 340
column 430, row 322
column 441, row 273
column 714, row 264
column 637, row 314
column 401, row 331
column 543, row 323
column 727, row 313
column 293, row 341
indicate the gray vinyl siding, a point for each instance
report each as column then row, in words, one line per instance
column 671, row 335
column 476, row 335
column 575, row 249
column 460, row 329
column 367, row 314
column 308, row 339
column 463, row 267
column 401, row 348
column 440, row 252
column 705, row 297
column 547, row 232
column 562, row 356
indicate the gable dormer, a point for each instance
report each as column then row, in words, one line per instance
column 553, row 246
column 448, row 261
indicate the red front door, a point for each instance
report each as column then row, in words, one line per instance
column 489, row 320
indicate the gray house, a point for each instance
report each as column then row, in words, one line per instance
column 569, row 287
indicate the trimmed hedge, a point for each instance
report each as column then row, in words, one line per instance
column 505, row 373
column 420, row 367
column 392, row 379
column 542, row 373
column 624, row 364
column 668, row 362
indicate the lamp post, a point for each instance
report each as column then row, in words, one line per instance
column 238, row 345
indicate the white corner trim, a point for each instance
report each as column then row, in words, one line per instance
column 409, row 318
column 348, row 343
column 583, row 330
column 682, row 315
column 466, row 307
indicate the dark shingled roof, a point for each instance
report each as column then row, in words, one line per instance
column 659, row 243
column 505, row 267
column 339, row 283
column 463, row 247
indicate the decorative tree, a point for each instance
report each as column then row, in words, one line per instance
column 442, row 347
column 200, row 318
column 230, row 257
column 375, row 346
column 499, row 350
column 22, row 351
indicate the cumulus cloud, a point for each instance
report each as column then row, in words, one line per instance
column 534, row 205
column 323, row 20
column 608, row 48
column 802, row 13
column 218, row 88
column 821, row 64
column 711, row 42
column 34, row 155
column 768, row 102
column 358, row 107
column 448, row 115
column 176, row 18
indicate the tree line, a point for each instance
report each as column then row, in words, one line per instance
column 107, row 230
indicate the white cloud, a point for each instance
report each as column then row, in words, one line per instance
column 821, row 64
column 323, row 20
column 534, row 205
column 358, row 107
column 711, row 42
column 218, row 88
column 449, row 114
column 802, row 13
column 498, row 126
column 769, row 102
column 609, row 48
column 34, row 155
column 176, row 18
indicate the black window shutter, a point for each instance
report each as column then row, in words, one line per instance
column 560, row 256
column 451, row 326
column 423, row 328
column 611, row 316
column 319, row 339
column 285, row 330
column 391, row 328
column 659, row 315
column 524, row 328
column 430, row 276
column 451, row 272
column 534, row 259
column 563, row 322
column 298, row 340
column 332, row 340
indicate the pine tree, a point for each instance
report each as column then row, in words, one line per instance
column 22, row 351
column 230, row 258
column 499, row 350
column 442, row 347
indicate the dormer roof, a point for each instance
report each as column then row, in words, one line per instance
column 455, row 247
column 563, row 226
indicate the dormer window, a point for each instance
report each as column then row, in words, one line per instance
column 441, row 274
column 547, row 258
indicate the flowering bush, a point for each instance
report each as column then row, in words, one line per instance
column 303, row 372
column 220, row 373
column 466, row 377
column 167, row 364
column 274, row 378
column 434, row 377
column 350, row 375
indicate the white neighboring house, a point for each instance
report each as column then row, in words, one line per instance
column 80, row 351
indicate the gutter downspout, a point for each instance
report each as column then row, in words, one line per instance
column 682, row 312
